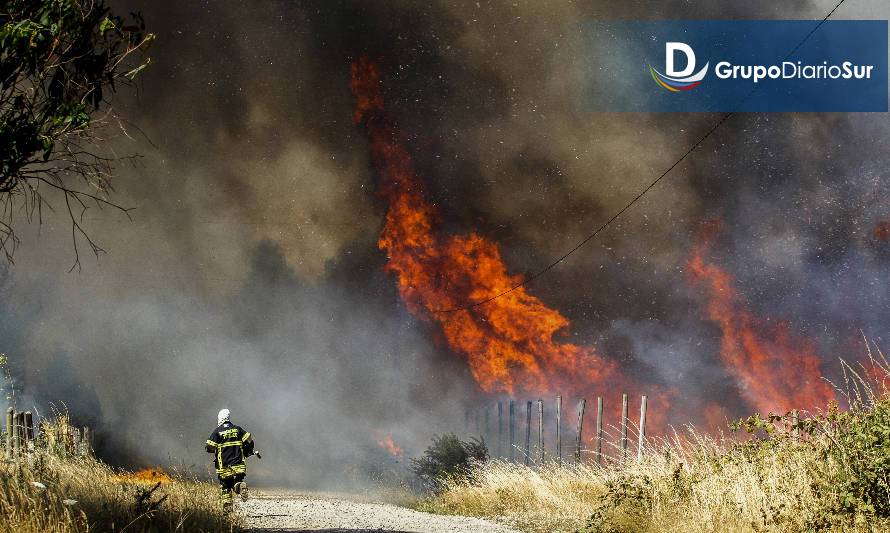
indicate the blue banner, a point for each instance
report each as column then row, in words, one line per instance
column 735, row 65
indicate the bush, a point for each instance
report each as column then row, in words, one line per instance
column 448, row 457
column 851, row 452
column 859, row 451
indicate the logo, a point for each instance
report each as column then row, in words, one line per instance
column 712, row 66
column 674, row 80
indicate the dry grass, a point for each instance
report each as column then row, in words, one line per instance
column 836, row 477
column 43, row 492
column 703, row 487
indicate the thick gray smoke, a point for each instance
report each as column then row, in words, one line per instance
column 250, row 277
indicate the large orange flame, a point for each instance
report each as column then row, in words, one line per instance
column 509, row 342
column 776, row 370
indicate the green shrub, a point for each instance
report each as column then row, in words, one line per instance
column 851, row 466
column 448, row 456
column 859, row 451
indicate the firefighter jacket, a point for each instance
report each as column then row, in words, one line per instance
column 232, row 445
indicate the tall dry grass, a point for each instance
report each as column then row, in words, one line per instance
column 834, row 476
column 702, row 487
column 45, row 492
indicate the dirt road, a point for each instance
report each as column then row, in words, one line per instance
column 285, row 512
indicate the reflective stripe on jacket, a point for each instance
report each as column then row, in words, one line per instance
column 231, row 445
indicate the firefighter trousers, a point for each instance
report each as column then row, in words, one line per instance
column 226, row 484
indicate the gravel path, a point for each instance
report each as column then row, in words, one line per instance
column 292, row 513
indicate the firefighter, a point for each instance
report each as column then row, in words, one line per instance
column 231, row 446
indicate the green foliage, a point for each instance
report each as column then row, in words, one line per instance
column 448, row 456
column 852, row 448
column 859, row 456
column 755, row 423
column 60, row 60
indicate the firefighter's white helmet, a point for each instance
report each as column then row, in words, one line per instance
column 223, row 416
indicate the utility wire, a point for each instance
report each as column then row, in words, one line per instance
column 642, row 193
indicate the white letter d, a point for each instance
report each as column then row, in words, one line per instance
column 669, row 52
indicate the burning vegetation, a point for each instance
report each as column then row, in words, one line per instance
column 48, row 489
column 776, row 370
column 148, row 476
column 510, row 343
column 386, row 443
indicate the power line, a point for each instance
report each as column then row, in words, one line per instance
column 642, row 193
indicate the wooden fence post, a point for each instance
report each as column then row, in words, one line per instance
column 487, row 425
column 512, row 430
column 15, row 433
column 559, row 430
column 500, row 429
column 581, row 407
column 795, row 420
column 642, row 439
column 599, row 430
column 528, row 431
column 624, row 426
column 19, row 432
column 29, row 429
column 541, row 431
column 77, row 450
column 87, row 441
column 72, row 440
column 10, row 413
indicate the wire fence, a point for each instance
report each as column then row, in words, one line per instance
column 535, row 432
